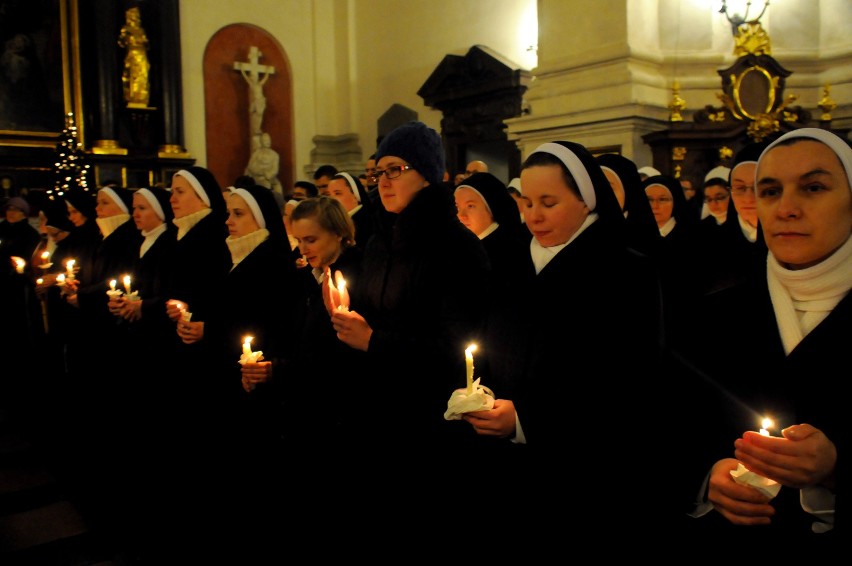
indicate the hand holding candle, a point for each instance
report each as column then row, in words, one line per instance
column 19, row 264
column 742, row 475
column 69, row 269
column 248, row 356
column 113, row 293
column 45, row 264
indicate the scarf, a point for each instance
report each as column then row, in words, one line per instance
column 803, row 298
column 749, row 231
column 150, row 238
column 109, row 224
column 541, row 256
column 186, row 223
column 241, row 247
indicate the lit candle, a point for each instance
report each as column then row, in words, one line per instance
column 45, row 255
column 39, row 281
column 127, row 284
column 468, row 364
column 342, row 293
column 69, row 268
column 60, row 280
column 19, row 264
column 247, row 345
column 112, row 284
column 766, row 424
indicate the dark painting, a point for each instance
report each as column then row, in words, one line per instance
column 32, row 84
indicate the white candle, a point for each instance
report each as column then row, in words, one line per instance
column 247, row 345
column 468, row 364
column 765, row 424
column 127, row 284
column 341, row 292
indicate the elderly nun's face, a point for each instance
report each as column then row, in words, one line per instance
column 804, row 203
column 144, row 215
column 184, row 199
column 241, row 221
column 553, row 211
column 662, row 203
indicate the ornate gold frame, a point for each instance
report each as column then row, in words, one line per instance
column 71, row 87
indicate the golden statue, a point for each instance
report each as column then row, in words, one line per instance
column 137, row 90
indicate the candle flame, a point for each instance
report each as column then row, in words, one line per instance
column 19, row 262
column 69, row 265
column 127, row 280
column 248, row 340
column 45, row 255
column 60, row 278
column 39, row 281
column 766, row 423
column 112, row 284
column 470, row 349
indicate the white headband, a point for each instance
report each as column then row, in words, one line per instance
column 116, row 199
column 252, row 203
column 352, row 186
column 837, row 145
column 575, row 167
column 155, row 204
column 474, row 189
column 199, row 190
column 668, row 190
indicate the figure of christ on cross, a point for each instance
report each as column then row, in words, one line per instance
column 256, row 76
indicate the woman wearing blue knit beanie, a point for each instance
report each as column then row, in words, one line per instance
column 416, row 306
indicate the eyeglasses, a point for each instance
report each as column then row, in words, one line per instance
column 720, row 198
column 661, row 200
column 740, row 190
column 392, row 172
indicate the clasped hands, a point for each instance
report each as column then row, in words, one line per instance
column 802, row 457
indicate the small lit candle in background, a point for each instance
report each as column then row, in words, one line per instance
column 60, row 280
column 766, row 424
column 247, row 345
column 20, row 264
column 39, row 281
column 69, row 268
column 127, row 284
column 45, row 255
column 468, row 366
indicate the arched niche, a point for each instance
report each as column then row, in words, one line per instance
column 226, row 102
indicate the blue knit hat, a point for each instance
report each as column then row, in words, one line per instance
column 420, row 146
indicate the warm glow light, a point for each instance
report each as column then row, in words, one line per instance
column 766, row 424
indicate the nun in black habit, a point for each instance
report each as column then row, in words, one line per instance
column 572, row 356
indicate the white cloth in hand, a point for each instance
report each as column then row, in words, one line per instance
column 767, row 487
column 480, row 399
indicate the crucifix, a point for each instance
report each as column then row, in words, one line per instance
column 256, row 76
